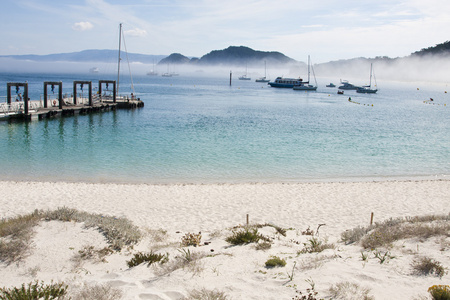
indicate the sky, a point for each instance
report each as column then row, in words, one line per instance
column 327, row 30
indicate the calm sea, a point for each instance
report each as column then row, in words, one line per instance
column 198, row 129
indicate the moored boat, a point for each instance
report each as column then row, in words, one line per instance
column 331, row 85
column 304, row 85
column 347, row 86
column 263, row 79
column 367, row 89
column 281, row 82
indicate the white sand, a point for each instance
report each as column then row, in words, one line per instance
column 213, row 209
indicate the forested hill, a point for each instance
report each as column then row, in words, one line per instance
column 439, row 49
column 241, row 55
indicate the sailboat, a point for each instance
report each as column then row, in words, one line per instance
column 244, row 77
column 304, row 85
column 118, row 68
column 152, row 71
column 367, row 89
column 123, row 101
column 263, row 79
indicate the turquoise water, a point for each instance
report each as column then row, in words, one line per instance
column 198, row 129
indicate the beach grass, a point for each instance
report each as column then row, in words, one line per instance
column 383, row 234
column 16, row 232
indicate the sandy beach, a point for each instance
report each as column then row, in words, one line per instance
column 213, row 209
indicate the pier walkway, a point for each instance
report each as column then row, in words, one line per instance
column 22, row 108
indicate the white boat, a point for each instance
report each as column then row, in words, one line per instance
column 367, row 89
column 304, row 85
column 152, row 71
column 285, row 82
column 244, row 77
column 331, row 85
column 347, row 86
column 263, row 79
column 94, row 70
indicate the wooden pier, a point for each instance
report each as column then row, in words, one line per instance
column 25, row 109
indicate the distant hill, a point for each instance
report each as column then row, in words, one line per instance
column 174, row 58
column 241, row 55
column 439, row 49
column 89, row 56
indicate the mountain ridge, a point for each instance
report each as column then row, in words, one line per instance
column 233, row 55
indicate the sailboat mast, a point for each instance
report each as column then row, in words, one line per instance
column 118, row 63
column 265, row 70
column 308, row 67
column 370, row 80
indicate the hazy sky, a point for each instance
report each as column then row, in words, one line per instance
column 325, row 29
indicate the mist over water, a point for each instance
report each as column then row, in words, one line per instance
column 201, row 129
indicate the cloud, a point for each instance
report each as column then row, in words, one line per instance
column 82, row 26
column 136, row 32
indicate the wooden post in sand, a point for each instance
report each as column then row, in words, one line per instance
column 247, row 219
column 371, row 219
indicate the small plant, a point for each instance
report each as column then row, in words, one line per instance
column 148, row 258
column 427, row 266
column 311, row 295
column 315, row 245
column 291, row 276
column 191, row 239
column 383, row 257
column 275, row 261
column 364, row 256
column 244, row 236
column 187, row 256
column 440, row 292
column 308, row 231
column 36, row 290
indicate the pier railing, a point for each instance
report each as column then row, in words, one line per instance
column 16, row 108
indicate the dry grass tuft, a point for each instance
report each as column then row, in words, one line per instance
column 427, row 266
column 205, row 294
column 15, row 236
column 385, row 233
column 350, row 291
column 96, row 292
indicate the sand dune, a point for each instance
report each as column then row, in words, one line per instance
column 213, row 209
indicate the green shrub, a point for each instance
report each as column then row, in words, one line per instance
column 275, row 261
column 440, row 292
column 426, row 266
column 148, row 258
column 244, row 236
column 35, row 290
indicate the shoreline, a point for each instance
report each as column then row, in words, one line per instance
column 349, row 179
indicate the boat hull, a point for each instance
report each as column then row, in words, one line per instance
column 366, row 91
column 304, row 88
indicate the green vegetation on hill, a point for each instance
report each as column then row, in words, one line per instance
column 443, row 48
